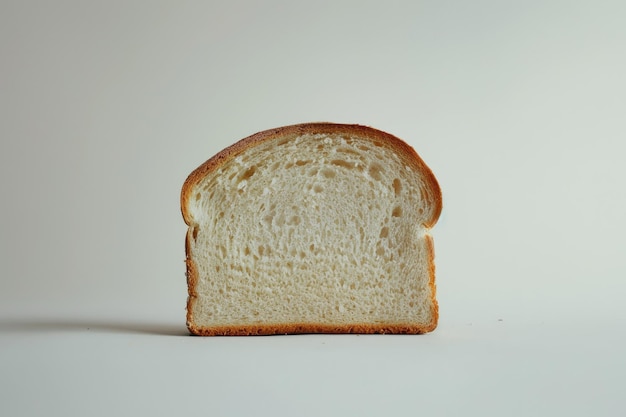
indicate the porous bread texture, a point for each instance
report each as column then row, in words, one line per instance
column 312, row 228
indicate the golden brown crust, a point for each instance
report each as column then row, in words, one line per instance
column 409, row 155
column 192, row 278
column 309, row 328
column 431, row 282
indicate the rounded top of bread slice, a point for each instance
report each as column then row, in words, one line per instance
column 322, row 129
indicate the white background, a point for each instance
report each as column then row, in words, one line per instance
column 519, row 108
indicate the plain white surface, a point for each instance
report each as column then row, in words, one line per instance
column 518, row 108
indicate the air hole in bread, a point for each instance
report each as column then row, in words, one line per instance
column 375, row 171
column 384, row 232
column 342, row 163
column 397, row 187
column 248, row 173
column 318, row 188
column 222, row 251
column 246, row 251
column 348, row 150
column 328, row 173
column 294, row 221
column 397, row 211
column 301, row 163
column 312, row 172
column 198, row 196
column 378, row 144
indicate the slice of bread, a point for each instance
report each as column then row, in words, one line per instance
column 312, row 228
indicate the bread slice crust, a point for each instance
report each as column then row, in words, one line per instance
column 407, row 154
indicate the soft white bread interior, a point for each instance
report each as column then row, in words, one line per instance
column 311, row 228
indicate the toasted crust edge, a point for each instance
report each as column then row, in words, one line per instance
column 391, row 141
column 310, row 328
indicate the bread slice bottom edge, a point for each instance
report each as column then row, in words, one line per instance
column 315, row 328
